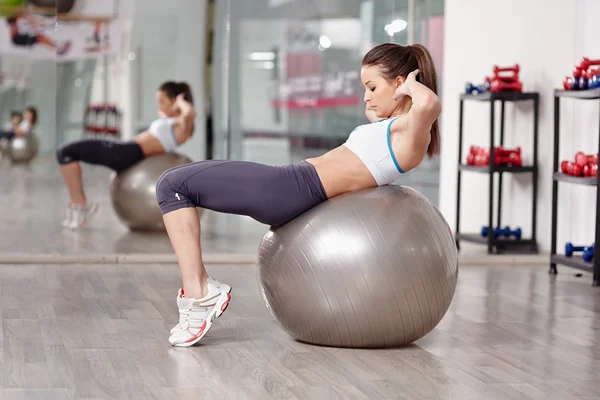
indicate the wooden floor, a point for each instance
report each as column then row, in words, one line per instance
column 100, row 332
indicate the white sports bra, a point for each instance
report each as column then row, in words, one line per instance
column 371, row 143
column 162, row 129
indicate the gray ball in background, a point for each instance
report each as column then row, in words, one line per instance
column 374, row 268
column 133, row 191
column 23, row 148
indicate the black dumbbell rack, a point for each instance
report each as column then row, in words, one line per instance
column 500, row 244
column 575, row 261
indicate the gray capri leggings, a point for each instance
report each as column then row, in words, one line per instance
column 272, row 195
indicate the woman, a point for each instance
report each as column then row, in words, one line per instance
column 21, row 124
column 16, row 119
column 29, row 121
column 173, row 128
column 403, row 106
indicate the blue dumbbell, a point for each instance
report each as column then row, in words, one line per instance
column 470, row 88
column 570, row 249
column 588, row 253
column 479, row 89
column 485, row 230
column 594, row 82
column 507, row 232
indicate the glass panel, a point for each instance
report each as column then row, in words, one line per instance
column 287, row 77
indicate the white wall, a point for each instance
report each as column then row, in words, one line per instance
column 547, row 38
column 171, row 39
column 168, row 43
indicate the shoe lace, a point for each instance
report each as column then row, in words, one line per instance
column 185, row 314
column 184, row 317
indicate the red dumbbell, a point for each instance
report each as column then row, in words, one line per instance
column 574, row 169
column 499, row 86
column 476, row 150
column 570, row 168
column 507, row 79
column 481, row 160
column 585, row 159
column 590, row 170
column 568, row 83
column 471, row 159
column 590, row 73
column 502, row 152
column 586, row 63
column 506, row 160
column 514, row 69
column 516, row 159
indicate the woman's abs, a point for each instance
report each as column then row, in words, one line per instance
column 150, row 145
column 341, row 171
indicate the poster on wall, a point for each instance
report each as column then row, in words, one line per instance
column 76, row 40
column 38, row 37
column 309, row 82
column 85, row 29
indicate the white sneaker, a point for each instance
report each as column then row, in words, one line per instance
column 197, row 315
column 69, row 216
column 223, row 286
column 81, row 215
column 180, row 294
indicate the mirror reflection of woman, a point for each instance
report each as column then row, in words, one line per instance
column 173, row 128
column 20, row 124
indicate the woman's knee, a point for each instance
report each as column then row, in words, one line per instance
column 163, row 185
column 65, row 154
column 169, row 195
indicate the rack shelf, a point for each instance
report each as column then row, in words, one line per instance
column 501, row 244
column 555, row 258
column 592, row 94
column 559, row 176
column 497, row 168
column 502, row 96
column 573, row 262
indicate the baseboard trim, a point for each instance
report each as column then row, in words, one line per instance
column 238, row 259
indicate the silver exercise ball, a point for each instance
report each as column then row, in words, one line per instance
column 375, row 268
column 133, row 191
column 23, row 148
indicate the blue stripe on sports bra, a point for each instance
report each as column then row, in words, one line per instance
column 389, row 143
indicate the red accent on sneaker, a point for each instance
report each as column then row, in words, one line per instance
column 226, row 303
column 198, row 334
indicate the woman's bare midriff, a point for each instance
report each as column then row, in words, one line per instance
column 149, row 144
column 341, row 171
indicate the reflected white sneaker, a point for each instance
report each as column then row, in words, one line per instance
column 180, row 294
column 197, row 316
column 68, row 217
column 81, row 215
